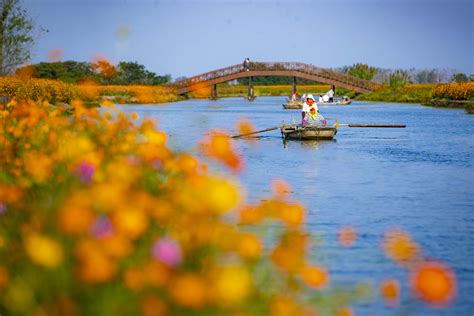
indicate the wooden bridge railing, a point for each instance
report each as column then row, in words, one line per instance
column 266, row 67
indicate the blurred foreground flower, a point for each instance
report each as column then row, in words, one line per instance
column 100, row 217
column 434, row 283
column 218, row 145
column 399, row 246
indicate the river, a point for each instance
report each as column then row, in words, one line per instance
column 420, row 179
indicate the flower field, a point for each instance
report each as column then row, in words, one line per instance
column 56, row 91
column 100, row 217
column 454, row 91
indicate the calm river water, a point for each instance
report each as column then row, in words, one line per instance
column 420, row 179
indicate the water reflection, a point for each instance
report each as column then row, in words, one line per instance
column 306, row 144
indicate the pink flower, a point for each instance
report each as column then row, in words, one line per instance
column 167, row 251
column 102, row 227
column 3, row 208
column 84, row 172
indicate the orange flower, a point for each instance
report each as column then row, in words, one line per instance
column 292, row 214
column 390, row 290
column 345, row 312
column 189, row 291
column 347, row 236
column 283, row 306
column 75, row 217
column 249, row 246
column 434, row 283
column 398, row 245
column 152, row 306
column 4, row 277
column 315, row 276
column 218, row 146
column 134, row 279
column 251, row 215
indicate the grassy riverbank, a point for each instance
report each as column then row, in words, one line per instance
column 411, row 93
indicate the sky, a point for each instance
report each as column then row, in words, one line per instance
column 189, row 37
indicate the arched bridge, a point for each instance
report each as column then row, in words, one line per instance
column 285, row 69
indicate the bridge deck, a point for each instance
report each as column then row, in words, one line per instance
column 285, row 69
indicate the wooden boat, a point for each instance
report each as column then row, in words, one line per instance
column 297, row 132
column 294, row 105
column 344, row 101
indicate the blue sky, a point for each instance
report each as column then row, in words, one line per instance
column 188, row 37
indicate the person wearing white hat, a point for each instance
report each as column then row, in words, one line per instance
column 310, row 112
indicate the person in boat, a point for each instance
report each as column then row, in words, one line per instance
column 310, row 113
column 320, row 99
column 294, row 97
column 330, row 94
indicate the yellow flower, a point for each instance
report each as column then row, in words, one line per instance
column 43, row 250
column 232, row 285
column 400, row 247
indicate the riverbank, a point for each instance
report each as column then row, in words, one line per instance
column 411, row 93
column 444, row 95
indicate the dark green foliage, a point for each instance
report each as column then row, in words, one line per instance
column 460, row 77
column 124, row 74
column 134, row 73
column 15, row 36
column 68, row 71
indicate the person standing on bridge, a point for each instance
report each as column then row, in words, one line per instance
column 310, row 112
column 247, row 64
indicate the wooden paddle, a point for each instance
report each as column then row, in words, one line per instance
column 374, row 125
column 263, row 130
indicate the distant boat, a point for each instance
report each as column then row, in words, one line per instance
column 293, row 105
column 297, row 132
column 344, row 101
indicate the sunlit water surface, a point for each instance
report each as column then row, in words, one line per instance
column 420, row 179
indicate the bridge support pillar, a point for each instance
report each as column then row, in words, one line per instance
column 251, row 95
column 293, row 91
column 214, row 92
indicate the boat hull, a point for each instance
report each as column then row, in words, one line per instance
column 292, row 106
column 336, row 103
column 296, row 132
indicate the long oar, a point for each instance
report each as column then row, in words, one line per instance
column 375, row 125
column 263, row 130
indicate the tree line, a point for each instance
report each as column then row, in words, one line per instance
column 102, row 71
column 392, row 77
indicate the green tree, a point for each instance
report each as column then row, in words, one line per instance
column 68, row 71
column 135, row 73
column 16, row 40
column 460, row 77
column 362, row 71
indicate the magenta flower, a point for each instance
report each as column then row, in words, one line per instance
column 3, row 208
column 167, row 251
column 84, row 172
column 102, row 227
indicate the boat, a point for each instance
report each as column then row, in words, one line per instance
column 293, row 105
column 311, row 132
column 344, row 101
